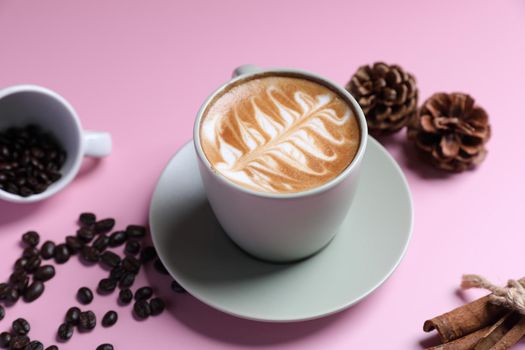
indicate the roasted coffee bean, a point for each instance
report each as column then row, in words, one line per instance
column 104, row 226
column 47, row 251
column 90, row 254
column 109, row 319
column 85, row 234
column 74, row 244
column 117, row 238
column 72, row 315
column 21, row 286
column 127, row 280
column 34, row 345
column 87, row 320
column 12, row 295
column 136, row 231
column 30, row 252
column 17, row 276
column 110, row 259
column 31, row 238
column 143, row 293
column 84, row 295
column 18, row 342
column 2, row 312
column 106, row 286
column 34, row 291
column 44, row 273
column 20, row 263
column 87, row 219
column 5, row 339
column 4, row 289
column 62, row 254
column 65, row 331
column 105, row 346
column 160, row 267
column 116, row 273
column 131, row 264
column 52, row 347
column 101, row 242
column 156, row 306
column 142, row 309
column 33, row 263
column 125, row 296
column 148, row 254
column 20, row 326
column 132, row 247
column 176, row 287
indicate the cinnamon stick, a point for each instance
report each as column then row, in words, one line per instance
column 512, row 336
column 465, row 319
column 497, row 331
column 464, row 343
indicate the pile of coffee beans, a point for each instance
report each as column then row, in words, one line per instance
column 30, row 160
column 18, row 337
column 91, row 243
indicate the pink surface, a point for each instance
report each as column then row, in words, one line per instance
column 140, row 69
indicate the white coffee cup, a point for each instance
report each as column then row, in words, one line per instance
column 21, row 105
column 280, row 227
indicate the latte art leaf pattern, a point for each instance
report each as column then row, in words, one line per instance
column 283, row 141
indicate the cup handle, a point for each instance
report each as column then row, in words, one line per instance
column 245, row 69
column 97, row 144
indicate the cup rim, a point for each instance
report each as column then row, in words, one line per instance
column 294, row 73
column 67, row 178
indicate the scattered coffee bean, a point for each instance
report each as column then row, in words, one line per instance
column 52, row 347
column 101, row 242
column 21, row 263
column 65, row 331
column 18, row 342
column 148, row 254
column 62, row 253
column 4, row 289
column 34, row 291
column 72, row 315
column 176, row 287
column 117, row 238
column 30, row 252
column 131, row 264
column 143, row 293
column 20, row 326
column 109, row 319
column 160, row 267
column 87, row 320
column 12, row 295
column 34, row 345
column 18, row 276
column 5, row 339
column 127, row 280
column 33, row 263
column 136, row 231
column 132, row 247
column 85, row 234
column 47, row 251
column 116, row 273
column 157, row 306
column 84, row 295
column 44, row 273
column 105, row 346
column 142, row 309
column 31, row 238
column 104, row 226
column 2, row 312
column 87, row 219
column 125, row 296
column 106, row 286
column 90, row 254
column 74, row 244
column 110, row 259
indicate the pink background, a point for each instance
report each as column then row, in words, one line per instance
column 140, row 69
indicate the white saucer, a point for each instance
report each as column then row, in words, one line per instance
column 198, row 254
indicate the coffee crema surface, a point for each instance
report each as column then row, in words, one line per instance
column 279, row 134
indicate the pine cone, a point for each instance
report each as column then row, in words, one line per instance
column 387, row 94
column 451, row 131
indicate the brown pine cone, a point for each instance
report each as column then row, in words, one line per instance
column 451, row 131
column 387, row 94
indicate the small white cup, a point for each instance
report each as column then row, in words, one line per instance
column 21, row 105
column 281, row 227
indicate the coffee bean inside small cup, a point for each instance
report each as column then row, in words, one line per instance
column 30, row 160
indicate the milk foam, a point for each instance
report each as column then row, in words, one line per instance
column 279, row 134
